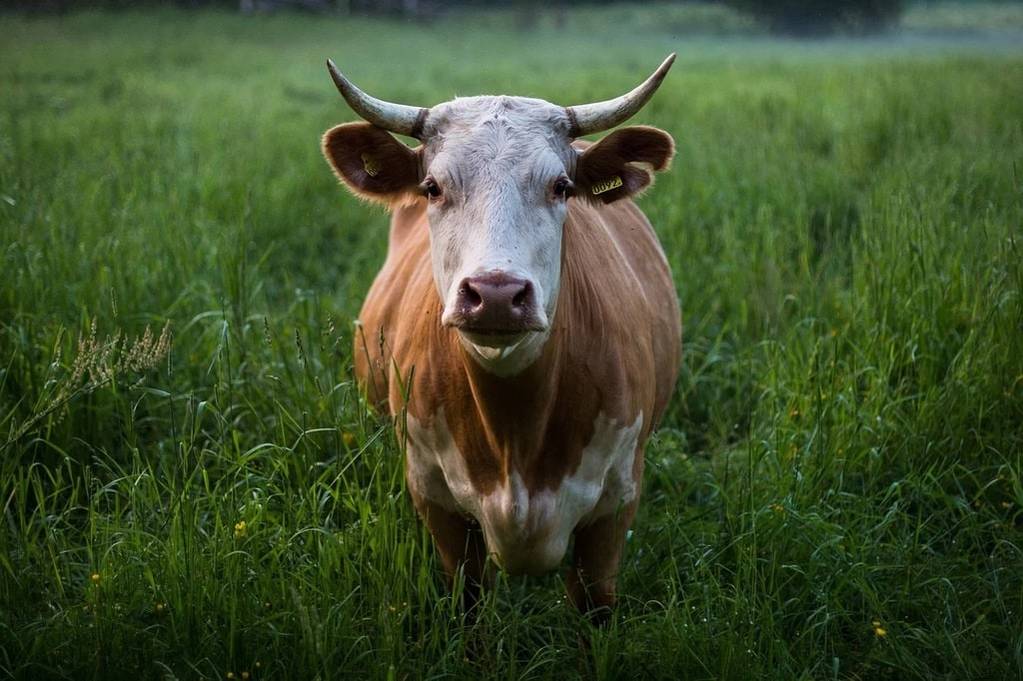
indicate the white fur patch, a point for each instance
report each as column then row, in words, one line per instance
column 510, row 359
column 527, row 533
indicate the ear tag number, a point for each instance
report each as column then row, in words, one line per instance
column 614, row 183
column 370, row 165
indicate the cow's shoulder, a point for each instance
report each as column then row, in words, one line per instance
column 613, row 258
column 620, row 309
column 400, row 306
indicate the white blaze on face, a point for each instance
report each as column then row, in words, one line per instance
column 495, row 161
column 499, row 221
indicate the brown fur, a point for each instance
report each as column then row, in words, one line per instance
column 618, row 155
column 614, row 349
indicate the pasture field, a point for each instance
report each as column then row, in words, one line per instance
column 835, row 493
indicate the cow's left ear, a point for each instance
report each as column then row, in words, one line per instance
column 372, row 163
column 622, row 164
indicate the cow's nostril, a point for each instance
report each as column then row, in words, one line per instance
column 522, row 297
column 470, row 295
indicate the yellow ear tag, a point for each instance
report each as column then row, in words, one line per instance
column 370, row 165
column 614, row 183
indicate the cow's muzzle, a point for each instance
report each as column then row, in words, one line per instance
column 495, row 305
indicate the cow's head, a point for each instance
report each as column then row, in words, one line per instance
column 497, row 174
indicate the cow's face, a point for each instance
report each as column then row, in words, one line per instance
column 496, row 175
column 497, row 178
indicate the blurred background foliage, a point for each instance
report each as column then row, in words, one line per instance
column 793, row 18
column 790, row 17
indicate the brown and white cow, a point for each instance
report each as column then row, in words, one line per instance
column 525, row 319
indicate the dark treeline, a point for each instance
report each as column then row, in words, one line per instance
column 790, row 17
column 822, row 17
column 406, row 7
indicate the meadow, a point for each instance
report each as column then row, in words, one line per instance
column 835, row 493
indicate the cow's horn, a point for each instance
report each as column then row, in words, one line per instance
column 399, row 118
column 599, row 116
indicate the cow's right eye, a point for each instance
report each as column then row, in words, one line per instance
column 562, row 187
column 431, row 188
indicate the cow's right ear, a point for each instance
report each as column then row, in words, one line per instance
column 373, row 164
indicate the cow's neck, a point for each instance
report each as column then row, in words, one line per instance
column 515, row 408
column 536, row 421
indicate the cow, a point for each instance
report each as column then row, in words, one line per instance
column 524, row 331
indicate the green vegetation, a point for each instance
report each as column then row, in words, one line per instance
column 836, row 491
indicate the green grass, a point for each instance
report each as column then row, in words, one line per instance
column 845, row 446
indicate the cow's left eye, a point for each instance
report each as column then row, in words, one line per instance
column 562, row 187
column 431, row 188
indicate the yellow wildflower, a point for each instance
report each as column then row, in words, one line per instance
column 240, row 528
column 95, row 577
column 879, row 631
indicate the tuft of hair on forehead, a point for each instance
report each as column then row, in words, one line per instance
column 472, row 138
column 524, row 114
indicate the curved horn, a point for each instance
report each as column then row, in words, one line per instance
column 600, row 116
column 399, row 118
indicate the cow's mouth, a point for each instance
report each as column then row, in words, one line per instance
column 495, row 333
column 493, row 338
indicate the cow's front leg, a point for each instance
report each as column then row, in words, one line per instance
column 595, row 558
column 460, row 544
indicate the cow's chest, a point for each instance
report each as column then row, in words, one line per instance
column 527, row 531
